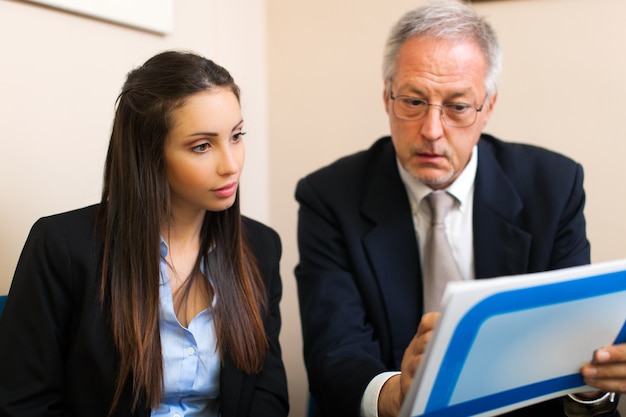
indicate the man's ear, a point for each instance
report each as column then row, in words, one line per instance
column 387, row 95
column 488, row 108
column 492, row 101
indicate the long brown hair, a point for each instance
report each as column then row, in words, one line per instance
column 134, row 204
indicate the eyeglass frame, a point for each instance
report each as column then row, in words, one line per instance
column 439, row 106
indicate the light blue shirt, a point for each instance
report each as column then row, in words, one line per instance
column 191, row 363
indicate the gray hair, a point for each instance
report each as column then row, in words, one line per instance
column 449, row 20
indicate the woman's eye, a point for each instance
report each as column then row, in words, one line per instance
column 203, row 147
column 238, row 136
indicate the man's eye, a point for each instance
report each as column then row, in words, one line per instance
column 458, row 107
column 413, row 102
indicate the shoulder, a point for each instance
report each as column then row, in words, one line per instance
column 258, row 230
column 267, row 251
column 71, row 226
column 264, row 240
column 350, row 174
column 531, row 170
column 519, row 155
column 81, row 215
column 356, row 162
column 61, row 251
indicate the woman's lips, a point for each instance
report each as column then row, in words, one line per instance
column 226, row 191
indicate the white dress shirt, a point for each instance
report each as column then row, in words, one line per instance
column 460, row 233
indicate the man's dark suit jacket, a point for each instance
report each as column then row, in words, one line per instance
column 359, row 275
column 57, row 357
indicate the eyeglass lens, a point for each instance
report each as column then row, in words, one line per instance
column 453, row 114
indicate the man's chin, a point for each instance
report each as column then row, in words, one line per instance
column 436, row 180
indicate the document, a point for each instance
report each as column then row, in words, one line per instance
column 506, row 343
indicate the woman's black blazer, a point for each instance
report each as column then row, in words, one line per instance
column 57, row 357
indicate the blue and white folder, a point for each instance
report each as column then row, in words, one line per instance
column 505, row 343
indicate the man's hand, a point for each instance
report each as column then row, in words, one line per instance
column 607, row 371
column 393, row 392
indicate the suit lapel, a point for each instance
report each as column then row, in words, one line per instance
column 391, row 246
column 500, row 246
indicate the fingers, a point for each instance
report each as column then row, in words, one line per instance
column 427, row 324
column 422, row 337
column 607, row 385
column 415, row 351
column 614, row 353
column 608, row 377
column 608, row 369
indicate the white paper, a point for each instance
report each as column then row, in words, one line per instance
column 505, row 343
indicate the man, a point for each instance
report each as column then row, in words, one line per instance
column 363, row 221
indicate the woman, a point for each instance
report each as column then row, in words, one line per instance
column 162, row 299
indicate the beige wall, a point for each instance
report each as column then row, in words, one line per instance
column 562, row 88
column 59, row 75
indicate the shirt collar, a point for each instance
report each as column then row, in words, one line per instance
column 164, row 249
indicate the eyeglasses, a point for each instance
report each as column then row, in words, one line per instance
column 452, row 114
